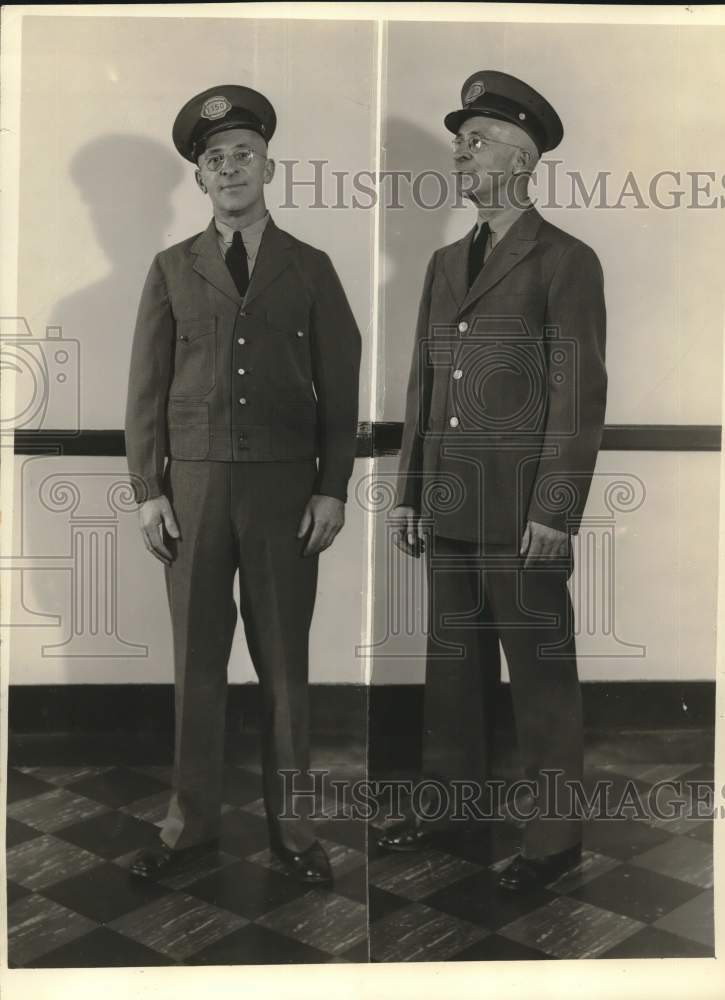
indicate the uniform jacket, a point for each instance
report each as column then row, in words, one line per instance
column 270, row 378
column 507, row 387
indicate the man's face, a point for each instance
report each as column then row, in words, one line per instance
column 500, row 151
column 233, row 170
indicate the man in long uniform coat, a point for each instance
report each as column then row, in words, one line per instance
column 244, row 374
column 504, row 418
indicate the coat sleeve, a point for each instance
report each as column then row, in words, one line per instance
column 148, row 386
column 417, row 406
column 575, row 418
column 336, row 348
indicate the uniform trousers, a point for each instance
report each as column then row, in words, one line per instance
column 239, row 516
column 476, row 600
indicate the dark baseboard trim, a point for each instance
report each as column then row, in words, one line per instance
column 123, row 724
column 149, row 708
column 383, row 438
column 389, row 711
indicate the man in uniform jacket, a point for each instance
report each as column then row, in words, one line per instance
column 504, row 418
column 240, row 433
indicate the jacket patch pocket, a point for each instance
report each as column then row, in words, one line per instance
column 188, row 430
column 194, row 358
column 289, row 362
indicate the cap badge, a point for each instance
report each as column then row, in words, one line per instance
column 215, row 107
column 474, row 91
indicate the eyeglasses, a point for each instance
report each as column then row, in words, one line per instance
column 478, row 142
column 241, row 157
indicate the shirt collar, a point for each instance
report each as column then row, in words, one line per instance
column 248, row 232
column 502, row 221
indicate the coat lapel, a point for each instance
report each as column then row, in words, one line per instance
column 517, row 244
column 274, row 257
column 211, row 265
column 455, row 267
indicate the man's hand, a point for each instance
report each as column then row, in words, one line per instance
column 325, row 516
column 157, row 515
column 542, row 542
column 406, row 531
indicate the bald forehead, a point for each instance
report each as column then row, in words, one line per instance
column 494, row 128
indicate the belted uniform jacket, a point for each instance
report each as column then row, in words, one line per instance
column 271, row 378
column 507, row 388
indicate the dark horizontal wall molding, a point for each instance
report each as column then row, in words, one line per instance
column 383, row 438
column 616, row 437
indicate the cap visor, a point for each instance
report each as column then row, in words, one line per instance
column 455, row 119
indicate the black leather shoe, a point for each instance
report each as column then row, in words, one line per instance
column 524, row 874
column 405, row 836
column 161, row 860
column 311, row 865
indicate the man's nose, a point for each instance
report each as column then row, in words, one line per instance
column 461, row 156
column 229, row 165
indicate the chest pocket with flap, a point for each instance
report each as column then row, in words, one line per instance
column 194, row 358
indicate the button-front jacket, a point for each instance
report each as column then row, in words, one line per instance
column 272, row 377
column 507, row 388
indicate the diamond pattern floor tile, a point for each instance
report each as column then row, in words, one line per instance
column 418, row 933
column 569, row 929
column 177, row 925
column 45, row 860
column 693, row 920
column 37, row 925
column 680, row 857
column 321, row 919
column 73, row 825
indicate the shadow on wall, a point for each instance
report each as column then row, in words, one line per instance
column 126, row 183
column 410, row 235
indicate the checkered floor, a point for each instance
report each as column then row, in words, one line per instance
column 643, row 889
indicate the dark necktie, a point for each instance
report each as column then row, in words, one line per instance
column 236, row 259
column 478, row 249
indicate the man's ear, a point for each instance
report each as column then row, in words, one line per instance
column 523, row 161
column 199, row 181
column 526, row 161
column 269, row 166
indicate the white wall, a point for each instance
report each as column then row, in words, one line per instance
column 60, row 499
column 102, row 189
column 638, row 99
column 663, row 579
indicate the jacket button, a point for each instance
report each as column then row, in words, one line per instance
column 453, row 421
column 242, row 401
column 242, row 439
column 300, row 333
column 462, row 326
column 241, row 340
column 457, row 374
column 240, row 371
column 182, row 336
